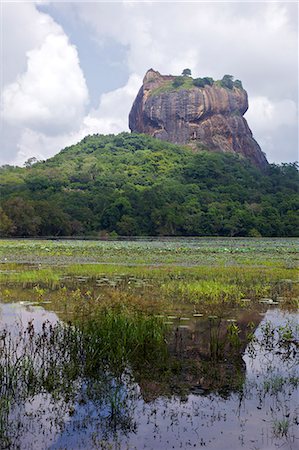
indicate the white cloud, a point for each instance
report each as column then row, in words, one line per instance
column 41, row 146
column 50, row 96
column 275, row 126
column 112, row 114
column 45, row 91
column 264, row 114
column 110, row 117
column 23, row 28
column 255, row 42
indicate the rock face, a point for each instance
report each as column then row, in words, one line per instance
column 209, row 116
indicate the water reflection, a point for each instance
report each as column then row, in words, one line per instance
column 204, row 386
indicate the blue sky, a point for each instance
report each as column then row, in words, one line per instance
column 74, row 68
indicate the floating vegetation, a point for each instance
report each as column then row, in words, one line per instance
column 204, row 284
column 94, row 353
column 95, row 362
column 266, row 252
column 149, row 335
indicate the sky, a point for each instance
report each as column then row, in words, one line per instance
column 69, row 69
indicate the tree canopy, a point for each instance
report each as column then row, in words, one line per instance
column 186, row 73
column 132, row 184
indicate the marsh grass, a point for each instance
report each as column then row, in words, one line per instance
column 118, row 330
column 203, row 284
column 281, row 427
column 282, row 340
column 203, row 291
column 97, row 353
column 125, row 337
column 111, row 344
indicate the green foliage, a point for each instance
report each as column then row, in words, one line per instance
column 21, row 213
column 198, row 82
column 185, row 81
column 6, row 224
column 227, row 81
column 133, row 184
column 202, row 82
column 238, row 84
column 178, row 81
column 186, row 73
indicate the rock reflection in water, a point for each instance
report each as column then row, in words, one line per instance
column 210, row 390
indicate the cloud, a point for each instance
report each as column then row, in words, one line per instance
column 51, row 95
column 255, row 42
column 275, row 127
column 45, row 93
column 23, row 29
column 112, row 114
column 265, row 114
column 100, row 120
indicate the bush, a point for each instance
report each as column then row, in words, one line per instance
column 178, row 81
column 202, row 82
column 199, row 82
column 227, row 81
column 238, row 84
column 208, row 80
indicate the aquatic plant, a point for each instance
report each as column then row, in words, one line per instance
column 281, row 427
column 96, row 352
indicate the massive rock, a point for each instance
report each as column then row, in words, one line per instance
column 208, row 117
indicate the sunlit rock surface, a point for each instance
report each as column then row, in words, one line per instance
column 210, row 117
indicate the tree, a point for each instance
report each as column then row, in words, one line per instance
column 199, row 82
column 238, row 84
column 186, row 73
column 23, row 216
column 30, row 161
column 136, row 184
column 227, row 81
column 6, row 225
column 208, row 80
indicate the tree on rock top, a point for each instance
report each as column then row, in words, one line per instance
column 227, row 81
column 186, row 73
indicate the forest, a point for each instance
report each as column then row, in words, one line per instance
column 135, row 185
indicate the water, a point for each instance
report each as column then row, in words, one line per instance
column 203, row 395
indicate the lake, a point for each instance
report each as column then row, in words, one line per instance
column 180, row 343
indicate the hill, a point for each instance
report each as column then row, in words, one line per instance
column 133, row 184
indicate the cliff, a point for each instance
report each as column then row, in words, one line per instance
column 210, row 116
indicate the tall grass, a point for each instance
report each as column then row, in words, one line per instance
column 69, row 361
column 206, row 284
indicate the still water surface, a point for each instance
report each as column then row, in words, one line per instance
column 245, row 400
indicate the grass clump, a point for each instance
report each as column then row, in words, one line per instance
column 120, row 336
column 86, row 360
column 281, row 427
column 177, row 84
column 204, row 291
column 201, row 284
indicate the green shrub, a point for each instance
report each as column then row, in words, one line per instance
column 227, row 81
column 178, row 81
column 238, row 84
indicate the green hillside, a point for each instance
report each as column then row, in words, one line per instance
column 132, row 184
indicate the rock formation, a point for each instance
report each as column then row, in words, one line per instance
column 209, row 117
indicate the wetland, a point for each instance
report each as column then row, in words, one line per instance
column 149, row 343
